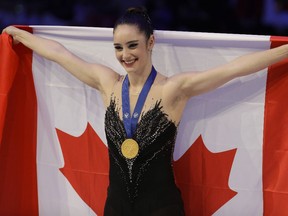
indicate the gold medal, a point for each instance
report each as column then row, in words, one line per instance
column 130, row 148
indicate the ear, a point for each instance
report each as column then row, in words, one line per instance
column 151, row 42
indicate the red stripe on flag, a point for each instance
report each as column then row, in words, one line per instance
column 275, row 155
column 6, row 79
column 18, row 179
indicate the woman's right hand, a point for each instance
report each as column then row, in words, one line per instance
column 11, row 30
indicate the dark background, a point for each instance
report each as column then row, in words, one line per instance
column 221, row 16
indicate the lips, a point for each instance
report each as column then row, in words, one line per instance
column 129, row 62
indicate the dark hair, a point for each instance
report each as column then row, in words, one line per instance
column 137, row 16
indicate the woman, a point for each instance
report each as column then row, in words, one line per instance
column 141, row 125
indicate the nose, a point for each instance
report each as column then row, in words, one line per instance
column 125, row 54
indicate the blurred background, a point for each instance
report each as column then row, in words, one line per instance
column 260, row 17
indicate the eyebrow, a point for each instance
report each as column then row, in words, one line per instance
column 129, row 42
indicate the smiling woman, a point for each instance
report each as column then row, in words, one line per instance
column 133, row 49
column 133, row 42
column 136, row 185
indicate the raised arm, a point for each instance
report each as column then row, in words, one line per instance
column 191, row 84
column 94, row 75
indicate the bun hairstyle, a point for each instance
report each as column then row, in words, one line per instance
column 139, row 17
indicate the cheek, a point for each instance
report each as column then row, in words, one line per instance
column 117, row 55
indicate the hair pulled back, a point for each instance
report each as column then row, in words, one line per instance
column 139, row 17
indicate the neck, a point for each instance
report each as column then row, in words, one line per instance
column 137, row 79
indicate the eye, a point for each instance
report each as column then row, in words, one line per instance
column 133, row 45
column 118, row 48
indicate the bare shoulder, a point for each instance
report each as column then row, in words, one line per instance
column 106, row 76
column 105, row 79
column 173, row 85
column 169, row 91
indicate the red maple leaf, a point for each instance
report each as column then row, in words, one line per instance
column 202, row 177
column 86, row 166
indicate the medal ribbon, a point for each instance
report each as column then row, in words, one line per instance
column 130, row 122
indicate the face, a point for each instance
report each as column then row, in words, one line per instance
column 132, row 49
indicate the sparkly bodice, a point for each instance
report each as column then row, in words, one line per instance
column 151, row 170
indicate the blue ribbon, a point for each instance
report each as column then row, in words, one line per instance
column 130, row 122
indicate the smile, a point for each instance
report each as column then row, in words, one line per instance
column 129, row 62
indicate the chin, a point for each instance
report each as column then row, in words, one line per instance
column 129, row 70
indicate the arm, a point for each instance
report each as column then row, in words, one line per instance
column 191, row 84
column 94, row 75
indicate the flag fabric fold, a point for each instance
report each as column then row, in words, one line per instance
column 230, row 153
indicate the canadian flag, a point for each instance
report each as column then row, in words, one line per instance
column 231, row 151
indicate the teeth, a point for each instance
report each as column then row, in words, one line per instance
column 129, row 62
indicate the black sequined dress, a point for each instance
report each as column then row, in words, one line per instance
column 145, row 184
